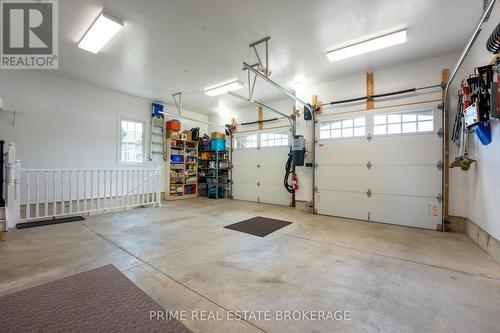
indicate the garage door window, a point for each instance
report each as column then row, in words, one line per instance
column 345, row 128
column 248, row 141
column 403, row 123
column 273, row 140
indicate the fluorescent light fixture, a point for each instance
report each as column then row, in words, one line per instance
column 224, row 88
column 370, row 45
column 100, row 33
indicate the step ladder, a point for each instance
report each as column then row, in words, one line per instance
column 158, row 141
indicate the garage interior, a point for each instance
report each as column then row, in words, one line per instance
column 250, row 166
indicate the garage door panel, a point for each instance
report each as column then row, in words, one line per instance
column 245, row 157
column 245, row 175
column 273, row 156
column 410, row 180
column 408, row 211
column 274, row 194
column 272, row 176
column 342, row 150
column 402, row 176
column 247, row 192
column 412, row 149
column 339, row 177
column 344, row 204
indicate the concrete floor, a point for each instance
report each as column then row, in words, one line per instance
column 390, row 278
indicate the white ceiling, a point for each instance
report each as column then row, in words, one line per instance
column 188, row 45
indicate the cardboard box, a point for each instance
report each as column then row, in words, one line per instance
column 173, row 125
column 189, row 135
column 172, row 135
column 217, row 135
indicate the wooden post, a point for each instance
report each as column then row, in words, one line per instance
column 315, row 103
column 233, row 125
column 444, row 79
column 370, row 91
column 261, row 117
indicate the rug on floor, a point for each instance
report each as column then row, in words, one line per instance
column 258, row 226
column 99, row 300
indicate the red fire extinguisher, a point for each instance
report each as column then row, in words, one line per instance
column 294, row 182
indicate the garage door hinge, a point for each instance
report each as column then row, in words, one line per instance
column 440, row 106
column 440, row 133
column 369, row 193
column 315, row 189
column 369, row 137
column 369, row 165
column 440, row 165
column 316, row 141
column 440, row 198
column 258, row 165
column 258, row 184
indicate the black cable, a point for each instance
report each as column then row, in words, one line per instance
column 371, row 97
column 259, row 121
column 289, row 169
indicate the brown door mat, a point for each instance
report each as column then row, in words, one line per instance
column 258, row 226
column 100, row 300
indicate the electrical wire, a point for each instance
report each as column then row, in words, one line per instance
column 289, row 169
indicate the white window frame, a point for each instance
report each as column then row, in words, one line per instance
column 259, row 139
column 236, row 138
column 119, row 140
column 341, row 128
column 402, row 122
column 273, row 133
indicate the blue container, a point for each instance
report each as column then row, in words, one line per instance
column 212, row 192
column 177, row 159
column 218, row 144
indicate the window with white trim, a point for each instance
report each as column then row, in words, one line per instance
column 345, row 128
column 132, row 149
column 273, row 139
column 398, row 123
column 247, row 141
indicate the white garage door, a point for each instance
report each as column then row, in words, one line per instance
column 259, row 168
column 381, row 166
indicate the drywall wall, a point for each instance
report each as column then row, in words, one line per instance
column 67, row 124
column 476, row 193
column 418, row 74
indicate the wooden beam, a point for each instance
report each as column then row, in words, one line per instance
column 370, row 90
column 446, row 195
column 315, row 103
column 233, row 125
column 261, row 118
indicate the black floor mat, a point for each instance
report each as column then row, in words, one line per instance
column 49, row 222
column 258, row 226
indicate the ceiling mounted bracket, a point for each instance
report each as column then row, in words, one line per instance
column 178, row 102
column 263, row 66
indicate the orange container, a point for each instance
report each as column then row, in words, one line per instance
column 173, row 125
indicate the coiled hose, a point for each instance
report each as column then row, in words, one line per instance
column 289, row 169
column 493, row 43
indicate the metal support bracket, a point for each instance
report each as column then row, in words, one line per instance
column 178, row 103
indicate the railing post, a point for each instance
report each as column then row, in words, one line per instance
column 158, row 187
column 13, row 205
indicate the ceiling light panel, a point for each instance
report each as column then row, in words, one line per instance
column 370, row 45
column 104, row 28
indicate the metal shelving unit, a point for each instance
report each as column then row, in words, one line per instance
column 181, row 170
column 215, row 172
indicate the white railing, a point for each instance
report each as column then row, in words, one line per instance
column 12, row 189
column 47, row 193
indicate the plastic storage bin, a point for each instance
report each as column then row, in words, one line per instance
column 218, row 144
column 173, row 125
column 212, row 194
